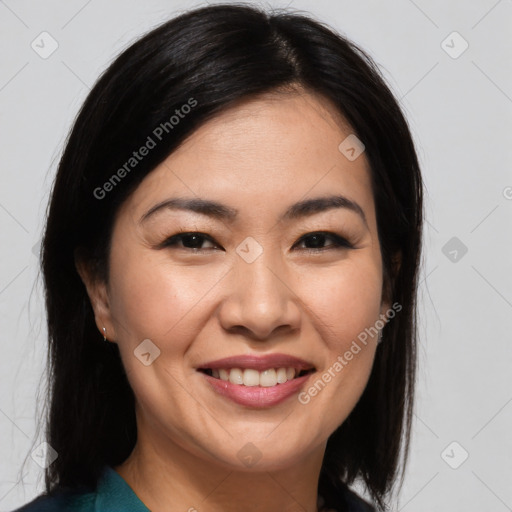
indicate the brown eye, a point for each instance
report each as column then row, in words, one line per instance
column 191, row 240
column 316, row 241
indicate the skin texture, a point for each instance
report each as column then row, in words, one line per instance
column 259, row 157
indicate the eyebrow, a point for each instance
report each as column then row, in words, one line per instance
column 220, row 211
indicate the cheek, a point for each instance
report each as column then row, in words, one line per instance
column 150, row 298
column 345, row 301
column 141, row 298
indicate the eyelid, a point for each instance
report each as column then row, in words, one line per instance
column 170, row 241
column 340, row 241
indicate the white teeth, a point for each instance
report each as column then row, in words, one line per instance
column 281, row 376
column 268, row 378
column 250, row 377
column 236, row 376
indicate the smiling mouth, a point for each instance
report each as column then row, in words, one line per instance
column 250, row 377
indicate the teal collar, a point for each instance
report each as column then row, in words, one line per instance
column 114, row 494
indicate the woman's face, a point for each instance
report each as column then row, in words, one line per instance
column 284, row 276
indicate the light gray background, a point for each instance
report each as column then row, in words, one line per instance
column 459, row 111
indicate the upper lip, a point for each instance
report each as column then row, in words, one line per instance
column 259, row 363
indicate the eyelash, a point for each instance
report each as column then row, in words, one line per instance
column 339, row 241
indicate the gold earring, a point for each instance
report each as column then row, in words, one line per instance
column 104, row 334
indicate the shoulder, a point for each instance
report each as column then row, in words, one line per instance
column 111, row 494
column 76, row 502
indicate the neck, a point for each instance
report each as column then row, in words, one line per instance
column 167, row 477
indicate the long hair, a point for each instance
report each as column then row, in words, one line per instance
column 211, row 58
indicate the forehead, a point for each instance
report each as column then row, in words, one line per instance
column 267, row 152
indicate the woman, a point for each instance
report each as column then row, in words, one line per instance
column 230, row 261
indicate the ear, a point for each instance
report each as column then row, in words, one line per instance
column 98, row 295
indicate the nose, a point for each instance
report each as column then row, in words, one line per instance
column 259, row 301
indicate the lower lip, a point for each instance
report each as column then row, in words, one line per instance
column 256, row 396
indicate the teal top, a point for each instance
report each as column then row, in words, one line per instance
column 113, row 494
